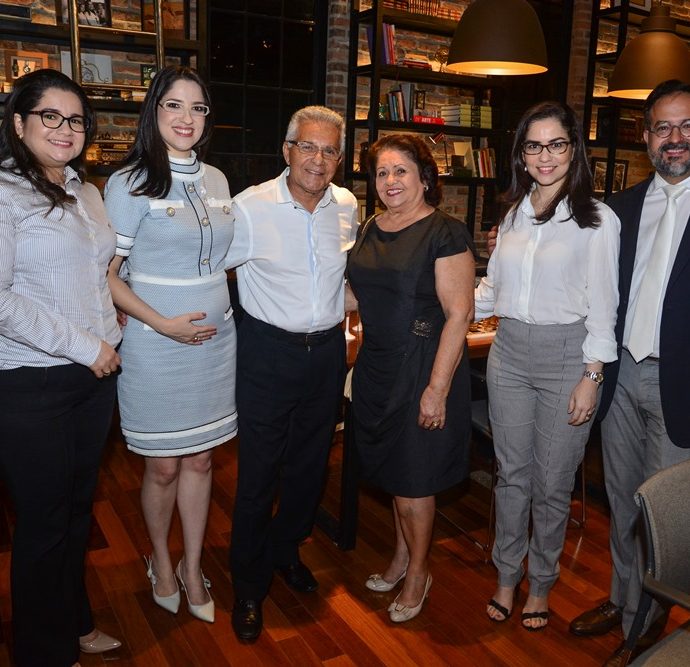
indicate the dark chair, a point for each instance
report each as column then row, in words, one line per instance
column 664, row 501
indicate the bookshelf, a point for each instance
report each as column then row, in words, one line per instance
column 396, row 83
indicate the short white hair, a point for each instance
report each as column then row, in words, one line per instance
column 316, row 114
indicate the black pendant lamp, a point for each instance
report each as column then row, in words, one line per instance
column 655, row 55
column 498, row 37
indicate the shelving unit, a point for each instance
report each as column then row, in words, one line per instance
column 50, row 35
column 612, row 27
column 366, row 84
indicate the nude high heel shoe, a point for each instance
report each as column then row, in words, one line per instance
column 401, row 613
column 204, row 612
column 170, row 603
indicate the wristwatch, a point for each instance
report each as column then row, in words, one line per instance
column 596, row 376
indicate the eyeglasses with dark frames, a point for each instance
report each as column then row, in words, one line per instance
column 665, row 130
column 177, row 108
column 310, row 149
column 553, row 147
column 53, row 120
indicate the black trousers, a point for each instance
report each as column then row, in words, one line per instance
column 288, row 397
column 53, row 425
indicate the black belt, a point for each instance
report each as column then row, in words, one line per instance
column 310, row 339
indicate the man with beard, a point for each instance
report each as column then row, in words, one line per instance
column 645, row 399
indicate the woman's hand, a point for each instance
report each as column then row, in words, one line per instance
column 583, row 402
column 107, row 361
column 432, row 409
column 182, row 329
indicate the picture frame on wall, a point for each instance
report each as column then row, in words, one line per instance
column 644, row 5
column 90, row 12
column 23, row 62
column 174, row 14
column 620, row 175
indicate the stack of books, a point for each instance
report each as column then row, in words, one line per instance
column 417, row 60
column 451, row 114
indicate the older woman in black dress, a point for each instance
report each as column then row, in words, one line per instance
column 412, row 273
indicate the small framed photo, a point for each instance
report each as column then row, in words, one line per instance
column 147, row 74
column 90, row 12
column 22, row 62
column 173, row 13
column 644, row 5
column 620, row 175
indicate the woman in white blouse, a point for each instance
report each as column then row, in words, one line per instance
column 553, row 282
column 58, row 362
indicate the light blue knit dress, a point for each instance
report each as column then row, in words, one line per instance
column 176, row 398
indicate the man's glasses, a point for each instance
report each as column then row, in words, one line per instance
column 177, row 108
column 665, row 130
column 307, row 148
column 554, row 147
column 52, row 120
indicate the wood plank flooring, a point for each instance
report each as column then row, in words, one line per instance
column 343, row 624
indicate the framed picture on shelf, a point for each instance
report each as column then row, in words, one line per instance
column 620, row 175
column 95, row 68
column 90, row 12
column 147, row 74
column 644, row 5
column 173, row 13
column 22, row 62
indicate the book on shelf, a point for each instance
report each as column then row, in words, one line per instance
column 431, row 120
column 485, row 162
column 387, row 46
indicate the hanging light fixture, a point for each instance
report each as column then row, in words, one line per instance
column 655, row 55
column 498, row 37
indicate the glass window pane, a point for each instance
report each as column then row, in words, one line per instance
column 291, row 103
column 226, row 47
column 298, row 54
column 262, row 122
column 263, row 52
column 268, row 7
column 300, row 9
column 260, row 169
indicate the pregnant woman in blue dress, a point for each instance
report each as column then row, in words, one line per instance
column 176, row 393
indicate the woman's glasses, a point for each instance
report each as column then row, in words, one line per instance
column 177, row 108
column 52, row 120
column 554, row 147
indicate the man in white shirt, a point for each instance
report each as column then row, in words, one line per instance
column 292, row 235
column 645, row 396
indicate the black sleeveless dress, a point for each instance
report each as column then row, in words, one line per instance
column 392, row 276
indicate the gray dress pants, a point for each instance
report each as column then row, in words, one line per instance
column 635, row 446
column 532, row 370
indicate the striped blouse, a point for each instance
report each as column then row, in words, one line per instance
column 55, row 305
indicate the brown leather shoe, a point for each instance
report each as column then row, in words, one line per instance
column 621, row 657
column 597, row 621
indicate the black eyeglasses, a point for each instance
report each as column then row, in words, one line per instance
column 554, row 147
column 307, row 148
column 665, row 130
column 52, row 120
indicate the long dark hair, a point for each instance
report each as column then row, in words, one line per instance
column 148, row 156
column 577, row 186
column 26, row 96
column 418, row 152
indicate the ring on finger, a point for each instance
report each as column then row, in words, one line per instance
column 435, row 424
column 195, row 339
column 106, row 372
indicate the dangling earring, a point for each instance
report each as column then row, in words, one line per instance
column 525, row 167
column 426, row 188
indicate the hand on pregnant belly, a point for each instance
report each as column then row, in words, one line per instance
column 182, row 329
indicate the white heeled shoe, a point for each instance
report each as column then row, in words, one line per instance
column 204, row 612
column 170, row 603
column 400, row 613
column 377, row 583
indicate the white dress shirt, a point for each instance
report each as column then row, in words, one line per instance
column 652, row 212
column 55, row 305
column 556, row 273
column 290, row 262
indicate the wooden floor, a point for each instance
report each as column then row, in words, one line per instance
column 343, row 623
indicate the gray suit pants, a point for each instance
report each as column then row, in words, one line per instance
column 531, row 372
column 635, row 446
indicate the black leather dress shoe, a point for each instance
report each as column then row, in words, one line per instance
column 299, row 577
column 597, row 621
column 247, row 619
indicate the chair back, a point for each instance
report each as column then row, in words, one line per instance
column 665, row 502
